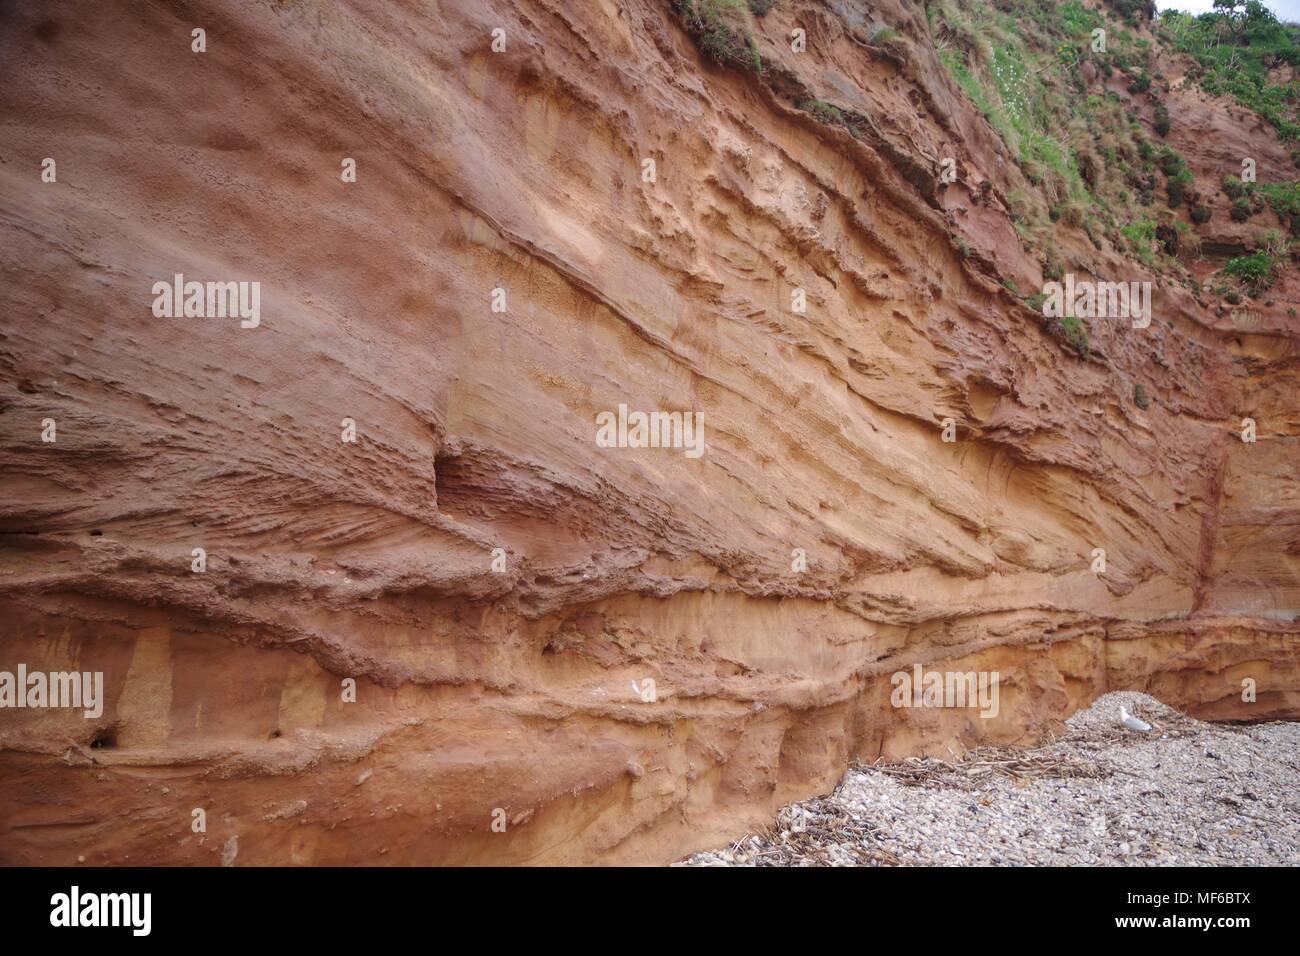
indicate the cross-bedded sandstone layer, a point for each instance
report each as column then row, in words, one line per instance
column 483, row 695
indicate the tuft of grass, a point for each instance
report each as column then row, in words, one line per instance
column 721, row 31
column 826, row 112
column 885, row 36
column 1275, row 245
column 1141, row 237
column 1072, row 331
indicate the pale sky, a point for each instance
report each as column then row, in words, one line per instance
column 1282, row 9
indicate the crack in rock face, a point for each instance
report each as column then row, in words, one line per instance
column 553, row 433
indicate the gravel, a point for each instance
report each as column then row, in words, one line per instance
column 1187, row 794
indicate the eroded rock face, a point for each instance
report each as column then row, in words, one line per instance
column 520, row 697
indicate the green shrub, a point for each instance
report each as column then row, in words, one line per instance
column 1173, row 165
column 1135, row 10
column 1255, row 271
column 1237, row 53
column 1162, row 126
column 1201, row 214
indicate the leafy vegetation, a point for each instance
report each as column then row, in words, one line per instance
column 1162, row 124
column 1010, row 69
column 1237, row 46
column 1254, row 272
column 1141, row 238
column 1133, row 10
column 1029, row 67
column 1284, row 199
column 1033, row 68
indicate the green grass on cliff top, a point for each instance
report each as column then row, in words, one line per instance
column 1243, row 51
column 1026, row 65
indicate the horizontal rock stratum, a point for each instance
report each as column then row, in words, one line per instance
column 362, row 583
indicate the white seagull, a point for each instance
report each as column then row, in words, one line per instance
column 1131, row 722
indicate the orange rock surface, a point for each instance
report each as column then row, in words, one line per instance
column 519, row 697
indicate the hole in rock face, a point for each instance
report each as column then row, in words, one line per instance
column 275, row 734
column 104, row 739
column 96, row 533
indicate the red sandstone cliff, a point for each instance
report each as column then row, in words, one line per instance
column 479, row 691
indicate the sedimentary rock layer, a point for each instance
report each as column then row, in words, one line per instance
column 519, row 695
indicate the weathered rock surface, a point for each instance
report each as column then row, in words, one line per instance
column 483, row 696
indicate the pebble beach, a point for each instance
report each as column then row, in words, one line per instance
column 1188, row 793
